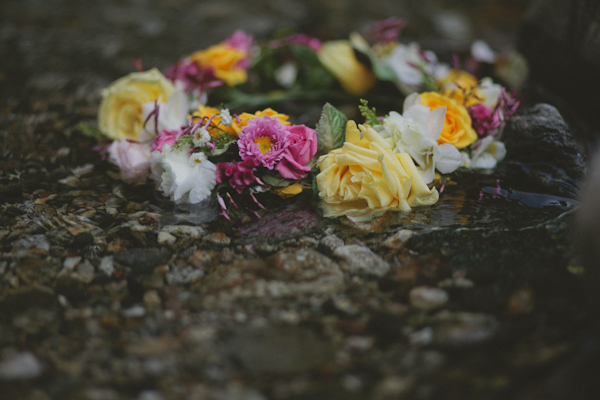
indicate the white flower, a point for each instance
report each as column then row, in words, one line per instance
column 200, row 137
column 133, row 159
column 491, row 91
column 171, row 115
column 410, row 65
column 286, row 74
column 226, row 117
column 416, row 132
column 486, row 153
column 180, row 179
column 482, row 52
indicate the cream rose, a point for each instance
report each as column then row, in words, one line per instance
column 121, row 110
column 364, row 178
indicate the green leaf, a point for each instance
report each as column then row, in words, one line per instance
column 90, row 131
column 220, row 150
column 331, row 129
column 274, row 181
column 369, row 114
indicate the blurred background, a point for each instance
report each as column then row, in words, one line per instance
column 62, row 52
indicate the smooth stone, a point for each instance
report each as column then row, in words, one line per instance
column 165, row 238
column 427, row 298
column 357, row 259
column 142, row 260
column 21, row 366
column 398, row 239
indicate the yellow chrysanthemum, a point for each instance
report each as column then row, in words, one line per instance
column 462, row 87
column 268, row 112
column 216, row 126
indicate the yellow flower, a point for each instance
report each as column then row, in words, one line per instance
column 288, row 191
column 120, row 115
column 339, row 59
column 216, row 126
column 224, row 60
column 462, row 87
column 269, row 112
column 364, row 178
column 457, row 128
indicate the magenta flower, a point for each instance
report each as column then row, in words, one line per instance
column 264, row 139
column 194, row 76
column 239, row 40
column 487, row 121
column 301, row 149
column 166, row 137
column 241, row 174
column 386, row 31
column 298, row 38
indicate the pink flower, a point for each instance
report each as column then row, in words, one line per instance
column 301, row 149
column 133, row 159
column 241, row 174
column 194, row 76
column 166, row 137
column 301, row 39
column 481, row 115
column 264, row 139
column 487, row 121
column 386, row 31
column 239, row 40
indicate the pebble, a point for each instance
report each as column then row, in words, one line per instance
column 150, row 395
column 357, row 259
column 70, row 263
column 32, row 242
column 194, row 232
column 165, row 238
column 106, row 265
column 20, row 366
column 427, row 298
column 399, row 239
column 392, row 387
column 134, row 312
column 152, row 299
column 218, row 238
column 329, row 243
column 200, row 259
column 183, row 275
column 85, row 272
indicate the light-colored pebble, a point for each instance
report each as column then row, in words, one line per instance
column 427, row 298
column 165, row 238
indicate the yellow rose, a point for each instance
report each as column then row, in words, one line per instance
column 120, row 114
column 458, row 129
column 339, row 59
column 364, row 178
column 206, row 111
column 225, row 61
column 462, row 87
column 269, row 112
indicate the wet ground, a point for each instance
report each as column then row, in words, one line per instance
column 107, row 291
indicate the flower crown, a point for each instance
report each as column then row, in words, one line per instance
column 161, row 126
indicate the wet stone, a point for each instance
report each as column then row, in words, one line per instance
column 427, row 298
column 356, row 259
column 142, row 260
column 279, row 350
column 20, row 366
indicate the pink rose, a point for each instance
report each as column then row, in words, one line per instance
column 166, row 137
column 301, row 149
column 133, row 159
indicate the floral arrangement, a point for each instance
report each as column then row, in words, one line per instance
column 161, row 126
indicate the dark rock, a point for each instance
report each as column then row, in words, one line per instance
column 142, row 260
column 540, row 135
column 279, row 350
column 82, row 240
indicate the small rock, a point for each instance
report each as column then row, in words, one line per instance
column 21, row 366
column 427, row 298
column 134, row 312
column 329, row 243
column 106, row 265
column 357, row 259
column 421, row 337
column 150, row 395
column 520, row 302
column 193, row 232
column 152, row 299
column 70, row 263
column 143, row 260
column 218, row 238
column 183, row 275
column 165, row 238
column 398, row 240
column 32, row 242
column 85, row 272
column 200, row 259
column 392, row 387
column 83, row 239
column 462, row 328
